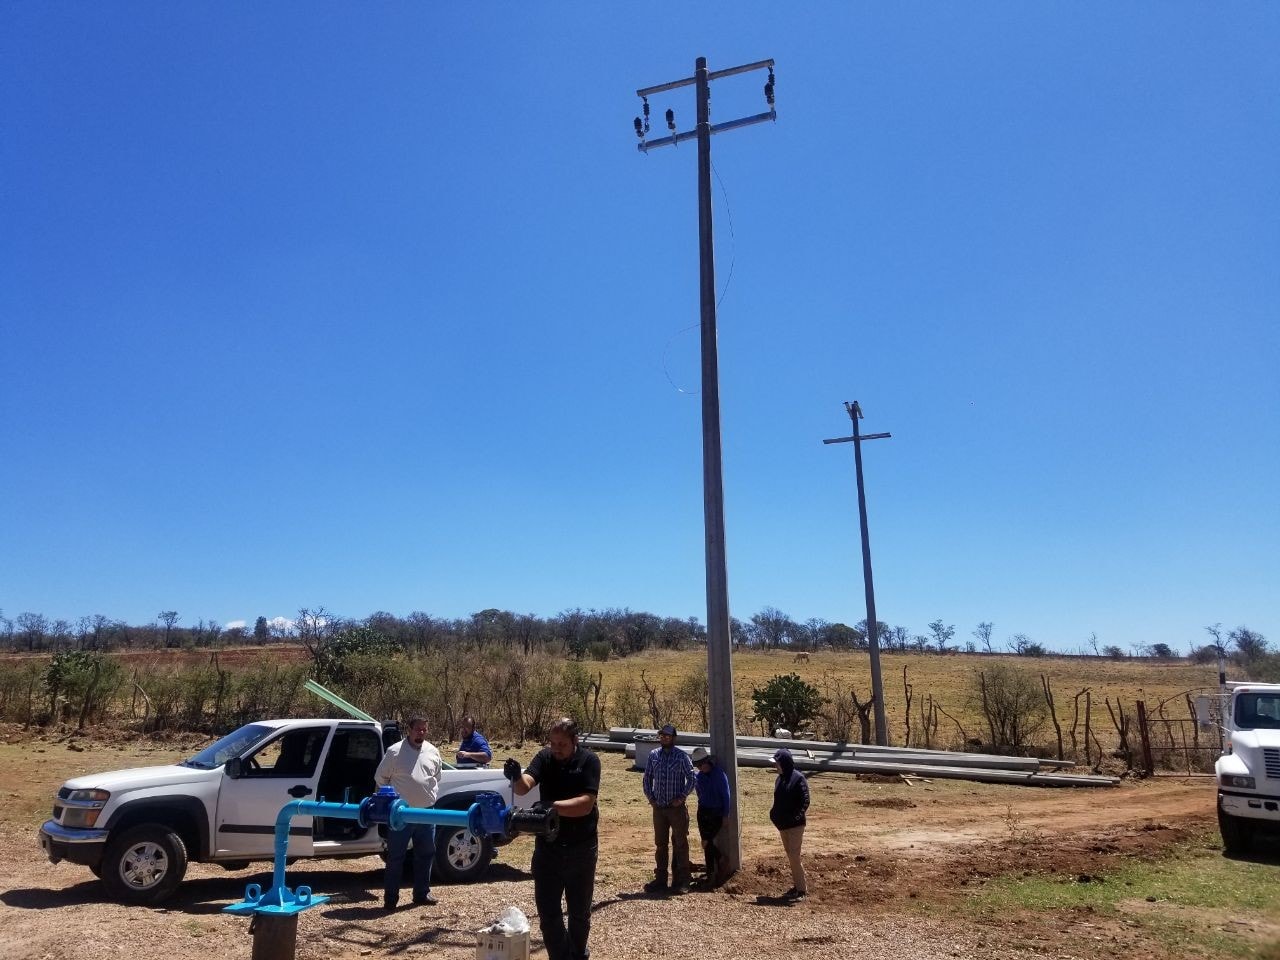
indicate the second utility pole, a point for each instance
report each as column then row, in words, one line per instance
column 723, row 731
column 873, row 625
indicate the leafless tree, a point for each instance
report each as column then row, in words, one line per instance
column 982, row 632
column 1053, row 711
column 942, row 634
column 32, row 628
column 168, row 618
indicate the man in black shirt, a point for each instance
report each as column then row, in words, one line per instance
column 569, row 776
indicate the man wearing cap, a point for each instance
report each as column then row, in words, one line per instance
column 668, row 780
column 790, row 801
column 713, row 806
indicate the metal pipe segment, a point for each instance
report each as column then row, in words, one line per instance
column 486, row 816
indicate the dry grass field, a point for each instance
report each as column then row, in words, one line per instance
column 948, row 678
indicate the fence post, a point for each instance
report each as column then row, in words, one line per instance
column 1147, row 762
column 275, row 936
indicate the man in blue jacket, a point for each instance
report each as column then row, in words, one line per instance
column 474, row 748
column 790, row 801
column 712, row 785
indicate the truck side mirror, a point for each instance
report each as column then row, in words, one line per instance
column 234, row 768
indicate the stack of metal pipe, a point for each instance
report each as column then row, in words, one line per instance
column 827, row 756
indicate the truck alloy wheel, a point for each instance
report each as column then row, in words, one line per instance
column 461, row 855
column 145, row 864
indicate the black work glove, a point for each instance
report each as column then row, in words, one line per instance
column 512, row 769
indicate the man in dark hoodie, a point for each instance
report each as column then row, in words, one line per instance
column 790, row 801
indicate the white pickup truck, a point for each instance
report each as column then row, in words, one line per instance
column 137, row 829
column 1248, row 771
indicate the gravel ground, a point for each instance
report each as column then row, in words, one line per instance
column 890, row 866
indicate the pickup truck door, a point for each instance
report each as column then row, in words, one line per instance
column 282, row 769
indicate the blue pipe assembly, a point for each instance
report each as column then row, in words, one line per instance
column 486, row 816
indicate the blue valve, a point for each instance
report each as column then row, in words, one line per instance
column 377, row 809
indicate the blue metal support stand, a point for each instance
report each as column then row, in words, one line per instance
column 487, row 816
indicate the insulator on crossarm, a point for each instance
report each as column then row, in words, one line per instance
column 671, row 120
column 639, row 129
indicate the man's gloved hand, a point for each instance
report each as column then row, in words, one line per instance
column 512, row 769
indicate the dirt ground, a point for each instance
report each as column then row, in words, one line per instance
column 891, row 866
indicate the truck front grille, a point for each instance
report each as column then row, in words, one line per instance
column 1271, row 760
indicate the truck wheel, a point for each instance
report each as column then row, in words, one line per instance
column 144, row 865
column 461, row 856
column 1237, row 833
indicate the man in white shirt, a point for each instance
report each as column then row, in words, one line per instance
column 412, row 766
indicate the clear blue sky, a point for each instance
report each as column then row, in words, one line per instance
column 377, row 307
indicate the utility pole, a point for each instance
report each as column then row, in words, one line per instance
column 724, row 730
column 873, row 625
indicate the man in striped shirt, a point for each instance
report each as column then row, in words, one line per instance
column 668, row 780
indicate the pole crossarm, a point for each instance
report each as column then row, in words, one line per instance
column 711, row 75
column 868, row 436
column 646, row 145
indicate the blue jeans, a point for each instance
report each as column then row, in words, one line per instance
column 423, row 836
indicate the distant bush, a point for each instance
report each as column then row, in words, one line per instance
column 1012, row 702
column 80, row 683
column 786, row 701
column 627, row 705
column 1203, row 655
column 331, row 654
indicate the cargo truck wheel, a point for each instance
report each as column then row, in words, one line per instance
column 1237, row 833
column 144, row 865
column 461, row 856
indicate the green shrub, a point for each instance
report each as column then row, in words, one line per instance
column 786, row 701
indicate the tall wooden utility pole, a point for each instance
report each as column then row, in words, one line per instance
column 723, row 731
column 873, row 625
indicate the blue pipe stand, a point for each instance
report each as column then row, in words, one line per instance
column 275, row 912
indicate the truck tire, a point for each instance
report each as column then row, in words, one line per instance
column 1237, row 832
column 461, row 856
column 144, row 864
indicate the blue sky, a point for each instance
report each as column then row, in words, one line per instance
column 377, row 307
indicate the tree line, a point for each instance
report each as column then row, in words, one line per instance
column 577, row 633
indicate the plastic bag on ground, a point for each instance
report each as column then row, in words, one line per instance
column 511, row 920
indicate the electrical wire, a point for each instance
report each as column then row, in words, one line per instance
column 733, row 260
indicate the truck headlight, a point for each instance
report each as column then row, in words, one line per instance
column 82, row 817
column 82, row 807
column 1231, row 780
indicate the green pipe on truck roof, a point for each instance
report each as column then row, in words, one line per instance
column 337, row 701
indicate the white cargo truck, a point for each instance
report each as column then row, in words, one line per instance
column 1248, row 772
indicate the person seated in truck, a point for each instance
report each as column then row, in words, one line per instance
column 474, row 748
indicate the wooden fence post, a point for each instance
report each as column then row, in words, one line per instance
column 1147, row 762
column 275, row 936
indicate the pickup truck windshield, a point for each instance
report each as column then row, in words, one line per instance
column 1257, row 711
column 234, row 744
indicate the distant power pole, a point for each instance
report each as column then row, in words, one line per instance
column 873, row 625
column 723, row 731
